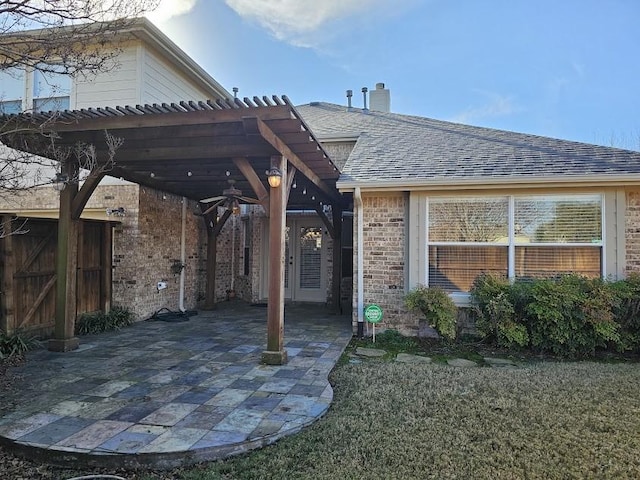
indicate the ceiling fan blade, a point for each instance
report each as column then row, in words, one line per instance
column 248, row 200
column 213, row 207
column 212, row 199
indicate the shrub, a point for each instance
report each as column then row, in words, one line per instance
column 97, row 322
column 626, row 311
column 571, row 316
column 568, row 316
column 497, row 308
column 16, row 343
column 437, row 307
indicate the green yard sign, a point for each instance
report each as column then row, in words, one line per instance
column 373, row 313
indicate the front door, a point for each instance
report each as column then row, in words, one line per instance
column 305, row 255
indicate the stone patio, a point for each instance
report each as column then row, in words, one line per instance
column 160, row 394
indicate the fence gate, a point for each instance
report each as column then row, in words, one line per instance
column 28, row 263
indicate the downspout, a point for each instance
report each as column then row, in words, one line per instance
column 360, row 283
column 183, row 253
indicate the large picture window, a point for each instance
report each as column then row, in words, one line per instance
column 512, row 236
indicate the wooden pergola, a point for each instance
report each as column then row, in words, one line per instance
column 190, row 149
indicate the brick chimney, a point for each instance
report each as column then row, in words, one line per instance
column 380, row 99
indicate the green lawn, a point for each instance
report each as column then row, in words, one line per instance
column 546, row 420
column 394, row 421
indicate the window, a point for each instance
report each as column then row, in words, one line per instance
column 532, row 236
column 51, row 91
column 12, row 91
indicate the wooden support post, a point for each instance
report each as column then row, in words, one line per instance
column 66, row 267
column 275, row 354
column 336, row 212
column 212, row 248
column 214, row 226
column 7, row 316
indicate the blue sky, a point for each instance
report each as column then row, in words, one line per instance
column 566, row 69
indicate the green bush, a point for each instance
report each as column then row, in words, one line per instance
column 437, row 307
column 497, row 308
column 16, row 343
column 571, row 316
column 97, row 322
column 627, row 311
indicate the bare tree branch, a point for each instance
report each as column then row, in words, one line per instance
column 42, row 33
column 74, row 38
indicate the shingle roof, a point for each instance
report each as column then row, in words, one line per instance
column 393, row 147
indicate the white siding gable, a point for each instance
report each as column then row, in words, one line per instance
column 162, row 82
column 118, row 87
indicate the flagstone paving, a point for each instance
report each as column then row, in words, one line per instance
column 163, row 394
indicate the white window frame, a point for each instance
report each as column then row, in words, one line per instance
column 463, row 298
column 28, row 97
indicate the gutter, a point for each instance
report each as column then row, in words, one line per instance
column 360, row 283
column 483, row 183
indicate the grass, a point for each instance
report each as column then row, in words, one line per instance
column 546, row 420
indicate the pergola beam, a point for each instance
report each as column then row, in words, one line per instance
column 252, row 177
column 85, row 192
column 256, row 126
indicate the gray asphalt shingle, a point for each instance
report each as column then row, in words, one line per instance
column 402, row 147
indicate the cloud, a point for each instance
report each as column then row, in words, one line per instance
column 168, row 9
column 299, row 21
column 496, row 106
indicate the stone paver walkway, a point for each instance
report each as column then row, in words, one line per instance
column 164, row 394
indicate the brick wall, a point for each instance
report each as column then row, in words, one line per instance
column 384, row 259
column 147, row 251
column 146, row 244
column 632, row 231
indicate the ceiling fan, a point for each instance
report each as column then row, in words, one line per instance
column 231, row 198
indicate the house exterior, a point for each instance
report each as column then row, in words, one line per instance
column 150, row 69
column 438, row 203
column 423, row 201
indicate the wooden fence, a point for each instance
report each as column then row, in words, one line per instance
column 28, row 273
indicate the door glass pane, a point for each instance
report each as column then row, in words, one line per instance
column 310, row 257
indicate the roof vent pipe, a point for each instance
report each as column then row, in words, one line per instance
column 364, row 94
column 349, row 95
column 235, row 92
